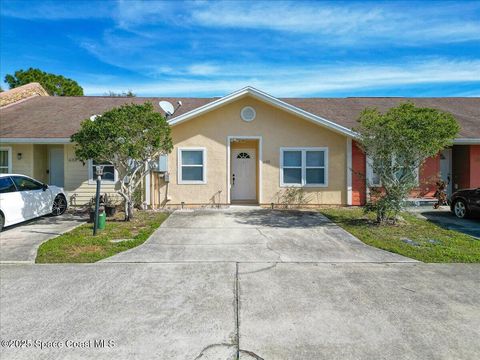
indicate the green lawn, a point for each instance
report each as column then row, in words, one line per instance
column 432, row 243
column 80, row 246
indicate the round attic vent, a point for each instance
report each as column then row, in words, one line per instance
column 248, row 113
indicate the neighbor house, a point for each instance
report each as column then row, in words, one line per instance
column 246, row 147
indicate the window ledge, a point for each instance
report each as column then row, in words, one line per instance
column 103, row 182
column 304, row 186
column 191, row 182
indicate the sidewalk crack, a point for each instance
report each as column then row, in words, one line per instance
column 267, row 245
column 237, row 318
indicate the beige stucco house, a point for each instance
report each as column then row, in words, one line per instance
column 246, row 147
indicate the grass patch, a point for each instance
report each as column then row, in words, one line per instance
column 80, row 246
column 431, row 243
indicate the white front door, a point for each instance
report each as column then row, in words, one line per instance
column 243, row 174
column 446, row 168
column 56, row 167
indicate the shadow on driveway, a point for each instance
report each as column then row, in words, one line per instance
column 252, row 235
column 447, row 220
column 279, row 218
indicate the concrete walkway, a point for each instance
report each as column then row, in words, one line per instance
column 253, row 235
column 19, row 243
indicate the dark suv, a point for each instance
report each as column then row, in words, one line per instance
column 465, row 202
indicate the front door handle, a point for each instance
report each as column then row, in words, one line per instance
column 233, row 179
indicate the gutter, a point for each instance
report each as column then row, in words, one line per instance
column 34, row 140
column 466, row 141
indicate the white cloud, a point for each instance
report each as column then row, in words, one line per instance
column 291, row 82
column 342, row 23
column 56, row 10
column 206, row 48
column 202, row 69
column 348, row 23
column 470, row 93
column 284, row 16
column 129, row 14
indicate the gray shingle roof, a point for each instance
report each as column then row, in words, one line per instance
column 60, row 117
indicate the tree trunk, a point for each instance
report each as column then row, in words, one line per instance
column 129, row 204
column 381, row 216
column 130, row 210
column 125, row 208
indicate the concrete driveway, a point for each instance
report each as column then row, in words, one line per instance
column 253, row 235
column 360, row 311
column 19, row 243
column 446, row 219
column 227, row 311
column 242, row 284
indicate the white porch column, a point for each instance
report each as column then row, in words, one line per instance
column 349, row 171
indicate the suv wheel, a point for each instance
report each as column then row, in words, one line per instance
column 460, row 209
column 2, row 222
column 59, row 205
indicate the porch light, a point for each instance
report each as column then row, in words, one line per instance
column 19, row 156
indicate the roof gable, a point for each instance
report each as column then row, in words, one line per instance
column 264, row 97
column 21, row 93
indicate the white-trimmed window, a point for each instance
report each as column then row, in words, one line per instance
column 192, row 166
column 374, row 179
column 304, row 167
column 110, row 174
column 5, row 160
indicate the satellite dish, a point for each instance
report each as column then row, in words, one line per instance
column 94, row 117
column 167, row 107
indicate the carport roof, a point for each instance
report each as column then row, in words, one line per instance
column 59, row 117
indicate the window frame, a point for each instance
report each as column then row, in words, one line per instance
column 379, row 184
column 180, row 181
column 304, row 166
column 370, row 174
column 9, row 158
column 93, row 181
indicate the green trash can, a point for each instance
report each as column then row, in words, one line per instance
column 102, row 219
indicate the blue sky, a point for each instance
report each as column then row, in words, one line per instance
column 289, row 49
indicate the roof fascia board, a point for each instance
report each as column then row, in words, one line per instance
column 34, row 140
column 208, row 107
column 466, row 141
column 19, row 101
column 260, row 95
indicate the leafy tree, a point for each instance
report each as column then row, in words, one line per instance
column 131, row 138
column 397, row 143
column 128, row 93
column 55, row 85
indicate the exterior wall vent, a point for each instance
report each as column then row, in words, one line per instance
column 248, row 113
